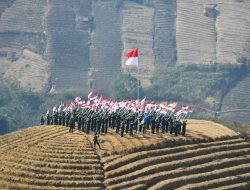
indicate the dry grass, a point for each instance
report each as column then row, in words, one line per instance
column 218, row 182
column 172, row 165
column 237, row 186
column 204, row 176
column 48, row 157
column 197, row 131
column 133, row 157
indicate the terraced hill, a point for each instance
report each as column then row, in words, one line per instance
column 68, row 38
column 48, row 157
column 237, row 102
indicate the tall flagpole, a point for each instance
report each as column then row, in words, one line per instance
column 138, row 95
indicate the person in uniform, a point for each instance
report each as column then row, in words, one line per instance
column 95, row 140
column 63, row 118
column 42, row 120
column 48, row 119
column 59, row 118
column 153, row 123
column 177, row 128
column 71, row 124
column 123, row 127
column 171, row 125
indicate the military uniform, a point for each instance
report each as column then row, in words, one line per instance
column 42, row 120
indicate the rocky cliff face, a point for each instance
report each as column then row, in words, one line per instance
column 51, row 45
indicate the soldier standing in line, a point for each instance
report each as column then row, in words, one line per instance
column 109, row 120
column 122, row 127
column 98, row 124
column 163, row 124
column 52, row 120
column 153, row 122
column 167, row 124
column 140, row 122
column 118, row 122
column 136, row 125
column 42, row 120
column 158, row 122
column 106, row 121
column 127, row 125
column 131, row 127
column 71, row 124
column 60, row 119
column 48, row 119
column 82, row 124
column 88, row 125
column 113, row 120
column 55, row 118
column 171, row 125
column 63, row 118
column 144, row 129
column 95, row 139
column 79, row 123
column 67, row 117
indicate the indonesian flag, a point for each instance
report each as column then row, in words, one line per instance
column 73, row 104
column 85, row 106
column 64, row 104
column 54, row 109
column 132, row 57
column 172, row 106
column 92, row 96
column 163, row 105
column 164, row 111
column 78, row 98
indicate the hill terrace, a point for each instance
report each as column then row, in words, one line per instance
column 49, row 157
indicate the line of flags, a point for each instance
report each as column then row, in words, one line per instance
column 96, row 103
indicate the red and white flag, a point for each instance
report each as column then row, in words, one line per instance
column 132, row 57
column 64, row 104
column 92, row 96
column 172, row 106
column 78, row 98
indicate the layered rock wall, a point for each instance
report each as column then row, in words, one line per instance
column 81, row 43
column 195, row 33
column 233, row 29
column 23, row 42
column 68, row 42
column 236, row 103
column 164, row 32
column 105, row 49
column 212, row 31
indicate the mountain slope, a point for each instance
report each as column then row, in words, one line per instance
column 82, row 43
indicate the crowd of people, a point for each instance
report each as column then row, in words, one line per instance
column 96, row 115
column 122, row 121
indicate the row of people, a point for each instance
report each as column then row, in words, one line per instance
column 122, row 121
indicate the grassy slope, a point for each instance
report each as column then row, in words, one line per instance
column 49, row 157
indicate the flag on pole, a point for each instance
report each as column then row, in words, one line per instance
column 92, row 96
column 78, row 98
column 132, row 57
